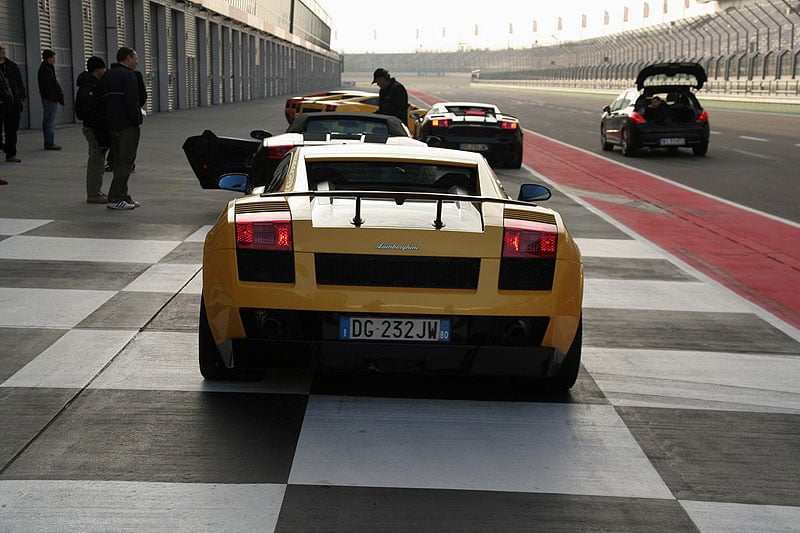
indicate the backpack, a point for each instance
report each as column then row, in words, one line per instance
column 88, row 104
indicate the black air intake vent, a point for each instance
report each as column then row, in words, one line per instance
column 394, row 271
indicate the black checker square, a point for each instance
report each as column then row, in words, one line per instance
column 721, row 456
column 167, row 436
column 332, row 509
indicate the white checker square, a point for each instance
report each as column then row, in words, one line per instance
column 73, row 360
column 471, row 445
column 48, row 308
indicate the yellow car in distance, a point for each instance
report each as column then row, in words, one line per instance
column 357, row 104
column 293, row 103
column 371, row 257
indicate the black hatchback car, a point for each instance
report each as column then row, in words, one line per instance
column 660, row 112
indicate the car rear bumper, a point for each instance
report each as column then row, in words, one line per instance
column 384, row 357
column 655, row 137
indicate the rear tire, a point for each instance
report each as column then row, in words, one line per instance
column 568, row 372
column 515, row 162
column 700, row 149
column 604, row 144
column 628, row 150
column 211, row 365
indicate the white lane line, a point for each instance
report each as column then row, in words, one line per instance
column 751, row 154
column 748, row 138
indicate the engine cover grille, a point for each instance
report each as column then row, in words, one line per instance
column 394, row 271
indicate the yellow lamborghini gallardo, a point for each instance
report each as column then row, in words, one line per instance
column 390, row 258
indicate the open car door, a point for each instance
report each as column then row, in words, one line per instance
column 210, row 156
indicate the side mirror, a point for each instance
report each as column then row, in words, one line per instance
column 260, row 134
column 415, row 115
column 235, row 182
column 606, row 109
column 532, row 192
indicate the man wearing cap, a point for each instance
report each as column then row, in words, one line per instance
column 90, row 108
column 11, row 108
column 52, row 95
column 393, row 98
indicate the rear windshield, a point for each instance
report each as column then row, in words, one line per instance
column 347, row 126
column 471, row 110
column 392, row 176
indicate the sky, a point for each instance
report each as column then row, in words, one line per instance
column 360, row 26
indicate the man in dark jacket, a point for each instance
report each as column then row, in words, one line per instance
column 393, row 98
column 121, row 96
column 142, row 101
column 90, row 108
column 11, row 109
column 52, row 96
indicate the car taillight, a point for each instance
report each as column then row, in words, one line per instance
column 636, row 117
column 278, row 151
column 530, row 240
column 506, row 125
column 703, row 117
column 440, row 123
column 254, row 233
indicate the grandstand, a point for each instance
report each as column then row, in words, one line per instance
column 747, row 48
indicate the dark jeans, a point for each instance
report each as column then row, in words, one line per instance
column 124, row 144
column 10, row 127
column 49, row 110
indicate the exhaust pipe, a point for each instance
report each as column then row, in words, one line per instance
column 516, row 332
column 271, row 326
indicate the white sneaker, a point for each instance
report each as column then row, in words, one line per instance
column 120, row 206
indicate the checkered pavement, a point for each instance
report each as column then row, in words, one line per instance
column 686, row 414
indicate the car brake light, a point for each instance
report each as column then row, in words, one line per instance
column 506, row 125
column 475, row 112
column 637, row 118
column 703, row 117
column 278, row 151
column 530, row 240
column 440, row 123
column 254, row 233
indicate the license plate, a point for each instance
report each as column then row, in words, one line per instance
column 472, row 147
column 672, row 142
column 394, row 329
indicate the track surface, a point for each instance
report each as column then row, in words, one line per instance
column 685, row 417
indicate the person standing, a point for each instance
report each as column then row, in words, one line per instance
column 89, row 108
column 11, row 110
column 142, row 101
column 52, row 96
column 121, row 97
column 392, row 98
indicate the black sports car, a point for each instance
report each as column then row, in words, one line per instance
column 473, row 127
column 211, row 156
column 660, row 112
